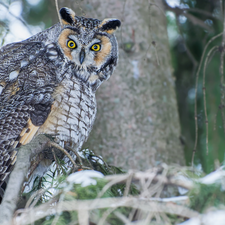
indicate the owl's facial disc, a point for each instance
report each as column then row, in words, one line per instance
column 85, row 49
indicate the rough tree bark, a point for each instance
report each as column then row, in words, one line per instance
column 137, row 123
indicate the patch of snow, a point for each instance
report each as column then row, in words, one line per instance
column 213, row 177
column 84, row 177
column 214, row 217
column 172, row 199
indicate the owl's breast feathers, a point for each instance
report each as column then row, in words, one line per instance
column 72, row 113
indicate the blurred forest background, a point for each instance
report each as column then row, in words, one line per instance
column 190, row 24
column 189, row 36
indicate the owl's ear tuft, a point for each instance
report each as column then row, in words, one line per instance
column 67, row 15
column 110, row 25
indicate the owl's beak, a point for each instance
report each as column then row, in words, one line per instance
column 82, row 55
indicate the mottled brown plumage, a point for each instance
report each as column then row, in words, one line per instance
column 48, row 83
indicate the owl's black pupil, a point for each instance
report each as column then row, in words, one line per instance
column 95, row 47
column 71, row 44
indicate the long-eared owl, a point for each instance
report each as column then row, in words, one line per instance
column 48, row 83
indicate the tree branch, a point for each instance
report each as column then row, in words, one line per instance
column 25, row 154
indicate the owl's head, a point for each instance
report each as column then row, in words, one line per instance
column 90, row 45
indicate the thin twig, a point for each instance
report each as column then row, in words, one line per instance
column 76, row 153
column 132, row 213
column 148, row 218
column 105, row 215
column 53, row 144
column 122, row 217
column 160, row 183
column 57, row 9
column 187, row 184
column 204, row 95
column 222, row 70
column 34, row 198
column 56, row 162
column 128, row 183
column 223, row 42
column 111, row 183
column 58, row 210
column 196, row 95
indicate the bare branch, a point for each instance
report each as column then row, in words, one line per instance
column 30, row 216
column 76, row 153
column 187, row 184
column 17, row 176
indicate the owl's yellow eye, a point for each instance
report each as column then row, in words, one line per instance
column 71, row 44
column 95, row 47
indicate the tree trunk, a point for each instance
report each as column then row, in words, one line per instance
column 137, row 124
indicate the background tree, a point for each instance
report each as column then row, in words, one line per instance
column 195, row 22
column 137, row 121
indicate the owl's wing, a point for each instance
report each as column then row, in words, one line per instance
column 26, row 86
